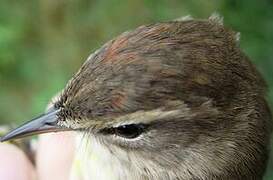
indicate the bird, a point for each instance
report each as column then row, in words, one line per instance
column 169, row 100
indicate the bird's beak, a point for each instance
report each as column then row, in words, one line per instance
column 45, row 123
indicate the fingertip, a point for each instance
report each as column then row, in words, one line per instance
column 14, row 165
column 55, row 153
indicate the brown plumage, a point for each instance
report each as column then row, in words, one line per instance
column 174, row 100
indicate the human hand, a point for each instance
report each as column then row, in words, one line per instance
column 53, row 159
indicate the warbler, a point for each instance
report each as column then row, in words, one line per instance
column 165, row 101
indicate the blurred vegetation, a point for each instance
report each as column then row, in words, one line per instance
column 43, row 42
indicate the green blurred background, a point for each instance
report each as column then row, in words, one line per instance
column 43, row 42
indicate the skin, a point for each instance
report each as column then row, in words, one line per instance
column 57, row 148
column 11, row 158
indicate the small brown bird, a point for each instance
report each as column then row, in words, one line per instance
column 174, row 100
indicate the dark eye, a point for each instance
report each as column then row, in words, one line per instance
column 129, row 131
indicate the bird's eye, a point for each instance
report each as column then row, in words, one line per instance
column 129, row 131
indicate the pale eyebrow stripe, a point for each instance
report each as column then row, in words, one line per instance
column 147, row 117
column 138, row 117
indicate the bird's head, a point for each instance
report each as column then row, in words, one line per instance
column 180, row 97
